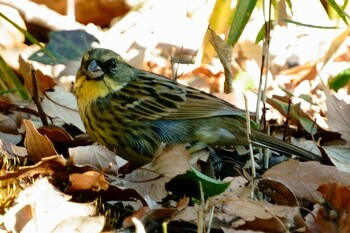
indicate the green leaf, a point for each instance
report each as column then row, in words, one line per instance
column 10, row 82
column 339, row 10
column 188, row 184
column 307, row 98
column 242, row 14
column 308, row 125
column 339, row 81
column 64, row 46
column 261, row 34
column 289, row 4
column 23, row 31
column 307, row 25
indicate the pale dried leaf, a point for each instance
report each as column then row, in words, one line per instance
column 338, row 115
column 9, row 150
column 38, row 146
column 303, row 178
column 15, row 139
column 231, row 230
column 63, row 105
column 238, row 188
column 272, row 215
column 81, row 224
column 9, row 123
column 340, row 157
column 41, row 190
column 96, row 156
column 150, row 179
column 49, row 207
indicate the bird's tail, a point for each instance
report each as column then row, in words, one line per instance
column 260, row 139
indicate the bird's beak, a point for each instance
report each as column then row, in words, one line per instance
column 94, row 70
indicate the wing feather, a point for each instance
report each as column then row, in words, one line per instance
column 154, row 97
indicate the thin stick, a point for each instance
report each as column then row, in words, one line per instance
column 36, row 99
column 248, row 136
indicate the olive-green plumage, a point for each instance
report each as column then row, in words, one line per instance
column 133, row 112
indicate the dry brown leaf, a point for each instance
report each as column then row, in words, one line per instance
column 278, row 192
column 224, row 52
column 137, row 214
column 56, row 134
column 150, row 179
column 38, row 146
column 147, row 215
column 333, row 215
column 43, row 82
column 204, row 77
column 303, row 178
column 292, row 77
column 89, row 180
column 261, row 216
column 104, row 10
column 44, row 167
column 244, row 213
column 230, row 230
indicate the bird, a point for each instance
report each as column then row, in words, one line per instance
column 133, row 112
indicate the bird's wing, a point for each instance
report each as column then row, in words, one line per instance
column 154, row 97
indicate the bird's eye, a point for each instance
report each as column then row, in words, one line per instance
column 112, row 65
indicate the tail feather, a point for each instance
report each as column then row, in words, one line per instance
column 263, row 140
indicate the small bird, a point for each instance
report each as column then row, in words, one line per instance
column 133, row 112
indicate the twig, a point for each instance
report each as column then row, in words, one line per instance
column 36, row 99
column 248, row 136
column 287, row 119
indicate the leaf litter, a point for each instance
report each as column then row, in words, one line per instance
column 64, row 183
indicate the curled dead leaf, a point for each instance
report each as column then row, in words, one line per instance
column 90, row 180
column 38, row 145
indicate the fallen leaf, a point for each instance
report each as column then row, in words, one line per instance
column 43, row 82
column 63, row 105
column 335, row 45
column 278, row 192
column 96, row 156
column 303, row 178
column 44, row 167
column 89, row 224
column 90, row 180
column 259, row 215
column 224, row 52
column 38, row 146
column 333, row 214
column 150, row 179
column 340, row 157
column 47, row 208
column 11, row 151
column 338, row 115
